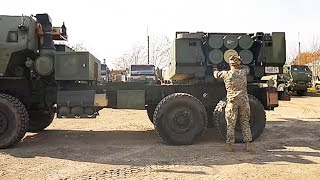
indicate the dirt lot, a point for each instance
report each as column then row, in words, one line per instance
column 123, row 144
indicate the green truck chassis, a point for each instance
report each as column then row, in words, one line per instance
column 41, row 79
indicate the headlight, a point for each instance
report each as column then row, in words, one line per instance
column 12, row 36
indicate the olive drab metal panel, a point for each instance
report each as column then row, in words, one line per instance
column 131, row 99
column 230, row 41
column 246, row 56
column 278, row 48
column 186, row 57
column 76, row 98
column 245, row 41
column 44, row 65
column 76, row 66
column 216, row 41
column 17, row 33
column 216, row 56
column 193, row 55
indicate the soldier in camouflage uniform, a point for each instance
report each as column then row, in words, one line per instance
column 237, row 101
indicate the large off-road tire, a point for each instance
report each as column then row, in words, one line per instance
column 210, row 123
column 257, row 119
column 180, row 119
column 150, row 111
column 301, row 92
column 39, row 121
column 14, row 121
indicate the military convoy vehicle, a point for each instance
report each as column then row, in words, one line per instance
column 299, row 78
column 142, row 73
column 39, row 80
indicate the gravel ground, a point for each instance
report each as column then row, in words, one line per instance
column 123, row 144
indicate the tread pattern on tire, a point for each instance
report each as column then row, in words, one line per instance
column 170, row 98
column 23, row 116
column 221, row 106
column 150, row 112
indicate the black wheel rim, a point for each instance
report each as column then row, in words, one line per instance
column 3, row 123
column 181, row 120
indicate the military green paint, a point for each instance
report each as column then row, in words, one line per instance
column 216, row 41
column 189, row 60
column 76, row 66
column 298, row 77
column 44, row 65
column 193, row 55
column 26, row 39
column 278, row 44
column 131, row 99
column 245, row 41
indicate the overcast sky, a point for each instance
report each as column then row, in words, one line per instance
column 108, row 28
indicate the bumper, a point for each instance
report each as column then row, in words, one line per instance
column 300, row 86
column 272, row 97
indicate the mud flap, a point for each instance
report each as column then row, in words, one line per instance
column 272, row 97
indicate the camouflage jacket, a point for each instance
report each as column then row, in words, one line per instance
column 235, row 81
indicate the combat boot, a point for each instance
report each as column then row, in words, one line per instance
column 247, row 146
column 228, row 147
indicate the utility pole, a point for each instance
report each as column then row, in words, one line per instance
column 299, row 48
column 148, row 45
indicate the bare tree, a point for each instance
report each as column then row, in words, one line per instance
column 134, row 56
column 293, row 56
column 122, row 62
column 159, row 51
column 311, row 54
column 138, row 54
column 79, row 47
column 315, row 45
column 315, row 49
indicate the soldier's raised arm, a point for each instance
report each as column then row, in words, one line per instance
column 219, row 74
column 245, row 68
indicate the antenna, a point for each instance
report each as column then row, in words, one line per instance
column 148, row 45
column 299, row 46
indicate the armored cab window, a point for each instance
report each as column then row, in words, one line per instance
column 268, row 40
column 12, row 36
column 192, row 43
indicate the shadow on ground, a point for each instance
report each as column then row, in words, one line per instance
column 142, row 148
column 308, row 95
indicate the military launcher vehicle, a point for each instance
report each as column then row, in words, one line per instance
column 299, row 78
column 39, row 78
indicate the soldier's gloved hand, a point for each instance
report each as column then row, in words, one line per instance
column 215, row 72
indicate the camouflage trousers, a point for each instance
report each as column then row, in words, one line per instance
column 234, row 108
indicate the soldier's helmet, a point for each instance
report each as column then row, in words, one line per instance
column 235, row 59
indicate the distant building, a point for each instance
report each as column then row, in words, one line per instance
column 118, row 75
column 315, row 68
column 105, row 73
